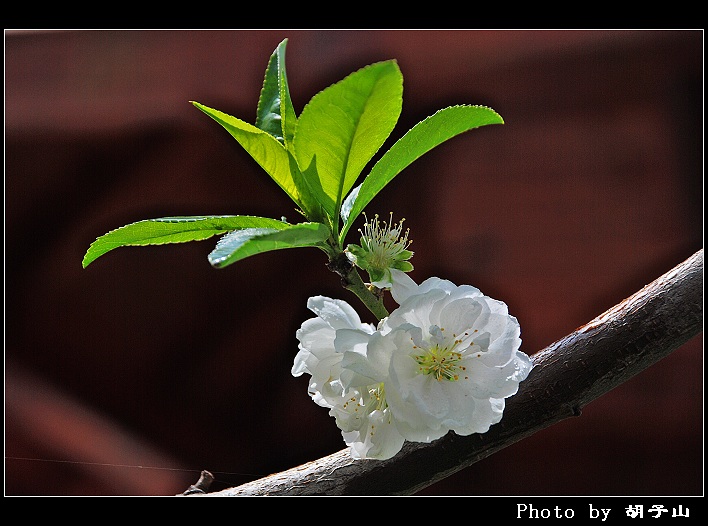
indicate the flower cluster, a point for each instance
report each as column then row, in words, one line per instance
column 444, row 360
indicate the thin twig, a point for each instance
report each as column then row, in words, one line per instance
column 568, row 374
column 202, row 486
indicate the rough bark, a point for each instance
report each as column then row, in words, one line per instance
column 568, row 374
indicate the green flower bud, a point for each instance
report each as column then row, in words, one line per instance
column 384, row 246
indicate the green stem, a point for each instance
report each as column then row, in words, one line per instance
column 351, row 280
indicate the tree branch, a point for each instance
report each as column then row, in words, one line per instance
column 568, row 374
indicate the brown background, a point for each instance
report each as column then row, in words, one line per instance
column 152, row 358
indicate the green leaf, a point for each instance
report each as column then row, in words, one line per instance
column 343, row 126
column 240, row 244
column 265, row 149
column 423, row 137
column 173, row 230
column 275, row 113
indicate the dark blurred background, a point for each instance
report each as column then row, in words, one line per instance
column 131, row 376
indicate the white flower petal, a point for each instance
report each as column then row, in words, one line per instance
column 460, row 316
column 415, row 310
column 415, row 409
column 379, row 439
column 402, row 285
column 338, row 314
column 316, row 336
column 490, row 382
column 364, row 365
column 487, row 411
column 300, row 364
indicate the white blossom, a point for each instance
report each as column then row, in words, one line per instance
column 317, row 355
column 356, row 402
column 444, row 360
column 455, row 360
